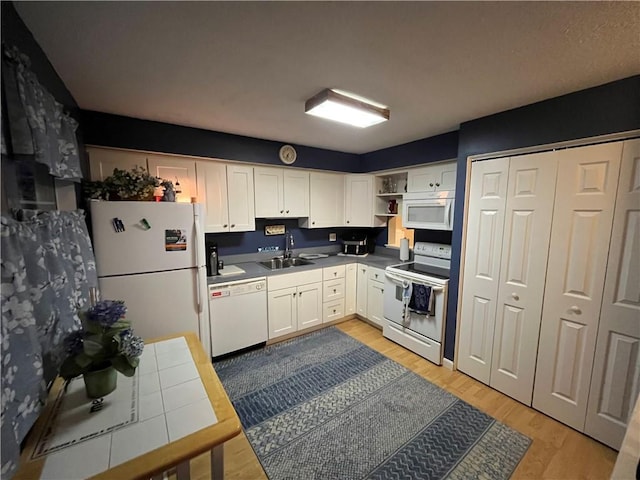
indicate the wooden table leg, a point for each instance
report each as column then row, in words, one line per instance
column 217, row 462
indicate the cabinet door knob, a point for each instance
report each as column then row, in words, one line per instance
column 313, row 223
column 294, row 294
column 347, row 221
column 575, row 309
column 300, row 293
column 334, row 290
column 225, row 225
column 437, row 184
column 233, row 225
column 281, row 211
column 431, row 184
column 287, row 211
column 515, row 296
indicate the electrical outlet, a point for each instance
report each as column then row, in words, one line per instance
column 332, row 237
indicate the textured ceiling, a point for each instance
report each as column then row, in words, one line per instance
column 248, row 67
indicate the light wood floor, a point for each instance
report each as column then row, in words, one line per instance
column 557, row 451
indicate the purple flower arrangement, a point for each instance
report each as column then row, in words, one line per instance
column 105, row 340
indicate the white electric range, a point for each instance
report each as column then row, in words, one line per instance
column 415, row 300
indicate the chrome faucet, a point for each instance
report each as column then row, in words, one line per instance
column 288, row 244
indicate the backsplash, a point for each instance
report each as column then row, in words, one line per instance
column 236, row 243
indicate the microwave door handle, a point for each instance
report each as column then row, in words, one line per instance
column 448, row 213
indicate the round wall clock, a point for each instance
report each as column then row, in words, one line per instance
column 288, row 154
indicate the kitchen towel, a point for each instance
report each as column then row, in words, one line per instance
column 421, row 300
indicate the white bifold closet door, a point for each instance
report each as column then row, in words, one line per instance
column 616, row 370
column 510, row 207
column 487, row 202
column 527, row 230
column 580, row 234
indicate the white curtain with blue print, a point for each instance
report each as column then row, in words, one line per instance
column 47, row 272
column 38, row 125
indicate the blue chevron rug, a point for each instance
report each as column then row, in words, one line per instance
column 325, row 406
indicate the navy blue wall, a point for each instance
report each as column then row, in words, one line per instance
column 248, row 242
column 124, row 132
column 426, row 150
column 610, row 108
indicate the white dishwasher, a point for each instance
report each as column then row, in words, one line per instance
column 237, row 315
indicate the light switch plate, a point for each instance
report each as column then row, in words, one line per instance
column 332, row 237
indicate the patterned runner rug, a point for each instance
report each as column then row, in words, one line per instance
column 325, row 406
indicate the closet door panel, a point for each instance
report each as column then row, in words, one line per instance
column 616, row 370
column 527, row 231
column 487, row 199
column 580, row 235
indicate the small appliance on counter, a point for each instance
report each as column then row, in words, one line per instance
column 212, row 260
column 357, row 243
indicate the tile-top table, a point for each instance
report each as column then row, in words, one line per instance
column 182, row 411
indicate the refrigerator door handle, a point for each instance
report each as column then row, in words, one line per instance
column 198, row 286
column 196, row 241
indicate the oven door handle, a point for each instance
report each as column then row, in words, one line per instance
column 405, row 281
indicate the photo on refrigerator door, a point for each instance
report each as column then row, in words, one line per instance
column 175, row 240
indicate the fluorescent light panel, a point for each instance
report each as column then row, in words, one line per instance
column 341, row 107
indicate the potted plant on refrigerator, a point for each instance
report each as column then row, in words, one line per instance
column 134, row 184
column 103, row 346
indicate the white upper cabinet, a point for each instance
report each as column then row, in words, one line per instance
column 326, row 201
column 296, row 193
column 212, row 192
column 432, row 178
column 241, row 198
column 358, row 201
column 227, row 194
column 102, row 161
column 281, row 193
column 180, row 171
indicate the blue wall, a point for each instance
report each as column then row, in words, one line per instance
column 610, row 108
column 249, row 242
column 124, row 132
column 426, row 150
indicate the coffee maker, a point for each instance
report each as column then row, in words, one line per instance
column 357, row 243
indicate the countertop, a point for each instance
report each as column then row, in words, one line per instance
column 254, row 269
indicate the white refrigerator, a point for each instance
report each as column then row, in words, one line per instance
column 151, row 255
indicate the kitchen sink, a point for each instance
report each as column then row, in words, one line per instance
column 278, row 263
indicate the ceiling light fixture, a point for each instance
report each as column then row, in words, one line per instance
column 344, row 107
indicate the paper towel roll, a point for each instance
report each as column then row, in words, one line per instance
column 404, row 249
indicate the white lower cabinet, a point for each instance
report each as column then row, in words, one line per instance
column 333, row 292
column 350, row 289
column 294, row 302
column 362, row 280
column 375, row 296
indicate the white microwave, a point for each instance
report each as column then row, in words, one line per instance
column 428, row 210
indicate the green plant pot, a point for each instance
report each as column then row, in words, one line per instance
column 101, row 382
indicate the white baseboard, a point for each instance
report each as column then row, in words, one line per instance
column 448, row 364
